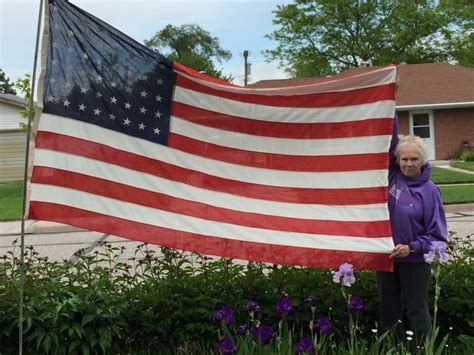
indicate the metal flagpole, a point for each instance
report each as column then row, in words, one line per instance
column 25, row 178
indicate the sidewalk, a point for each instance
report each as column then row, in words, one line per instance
column 36, row 227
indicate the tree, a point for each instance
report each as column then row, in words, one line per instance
column 323, row 37
column 5, row 86
column 192, row 46
column 24, row 85
column 461, row 14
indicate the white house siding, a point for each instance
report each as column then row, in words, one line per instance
column 12, row 155
column 12, row 143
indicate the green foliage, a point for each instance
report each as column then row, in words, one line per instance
column 466, row 165
column 192, row 46
column 457, row 194
column 5, row 86
column 323, row 37
column 468, row 156
column 24, row 85
column 11, row 200
column 446, row 176
column 461, row 13
column 456, row 306
column 164, row 302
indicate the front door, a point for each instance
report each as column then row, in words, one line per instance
column 421, row 124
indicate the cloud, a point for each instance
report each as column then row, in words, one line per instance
column 259, row 71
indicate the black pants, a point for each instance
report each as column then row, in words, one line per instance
column 404, row 295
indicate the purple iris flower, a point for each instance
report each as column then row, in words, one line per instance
column 437, row 249
column 241, row 330
column 312, row 300
column 225, row 314
column 252, row 306
column 264, row 333
column 226, row 346
column 346, row 272
column 284, row 306
column 304, row 346
column 321, row 324
column 356, row 305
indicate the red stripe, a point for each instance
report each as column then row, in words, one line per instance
column 205, row 244
column 350, row 162
column 164, row 202
column 325, row 99
column 363, row 128
column 201, row 76
column 355, row 196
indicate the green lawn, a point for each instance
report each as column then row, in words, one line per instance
column 11, row 200
column 457, row 194
column 468, row 165
column 445, row 176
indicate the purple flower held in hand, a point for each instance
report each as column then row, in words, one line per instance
column 437, row 249
column 225, row 314
column 312, row 300
column 346, row 272
column 264, row 333
column 252, row 306
column 242, row 330
column 304, row 346
column 356, row 305
column 321, row 324
column 284, row 306
column 226, row 346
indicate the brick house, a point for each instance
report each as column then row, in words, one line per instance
column 434, row 101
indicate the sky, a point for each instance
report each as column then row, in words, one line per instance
column 238, row 24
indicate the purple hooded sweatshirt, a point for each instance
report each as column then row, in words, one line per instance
column 416, row 212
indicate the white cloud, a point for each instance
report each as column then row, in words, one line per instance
column 259, row 71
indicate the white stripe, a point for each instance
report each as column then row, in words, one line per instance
column 287, row 146
column 142, row 214
column 329, row 180
column 379, row 109
column 363, row 80
column 81, row 165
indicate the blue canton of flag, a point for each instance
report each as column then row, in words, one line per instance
column 98, row 75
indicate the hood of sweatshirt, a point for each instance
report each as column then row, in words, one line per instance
column 420, row 179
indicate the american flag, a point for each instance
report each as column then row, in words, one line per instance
column 131, row 144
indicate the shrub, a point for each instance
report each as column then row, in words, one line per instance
column 164, row 302
column 468, row 155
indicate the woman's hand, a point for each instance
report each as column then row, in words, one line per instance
column 400, row 251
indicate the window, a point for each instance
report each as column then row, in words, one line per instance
column 421, row 125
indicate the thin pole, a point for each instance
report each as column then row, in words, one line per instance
column 25, row 178
column 246, row 55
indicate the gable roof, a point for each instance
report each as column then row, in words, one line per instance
column 429, row 84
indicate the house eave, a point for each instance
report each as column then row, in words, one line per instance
column 20, row 102
column 446, row 105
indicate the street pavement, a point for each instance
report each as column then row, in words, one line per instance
column 59, row 242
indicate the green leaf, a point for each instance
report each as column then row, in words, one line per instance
column 87, row 318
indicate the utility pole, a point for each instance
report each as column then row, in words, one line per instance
column 246, row 66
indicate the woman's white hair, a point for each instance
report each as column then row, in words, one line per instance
column 419, row 144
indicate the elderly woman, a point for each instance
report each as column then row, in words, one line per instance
column 417, row 218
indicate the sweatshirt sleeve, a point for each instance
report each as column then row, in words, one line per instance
column 434, row 220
